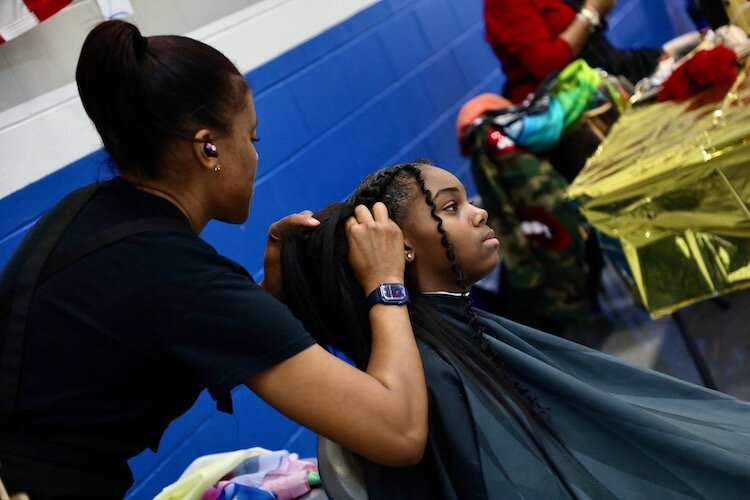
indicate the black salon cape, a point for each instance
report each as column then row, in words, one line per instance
column 629, row 433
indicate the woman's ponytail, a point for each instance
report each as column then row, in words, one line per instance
column 144, row 92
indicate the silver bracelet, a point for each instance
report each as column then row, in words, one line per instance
column 592, row 18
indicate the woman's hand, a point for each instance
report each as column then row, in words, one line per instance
column 272, row 258
column 376, row 247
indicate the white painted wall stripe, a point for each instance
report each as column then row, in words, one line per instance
column 50, row 132
column 15, row 19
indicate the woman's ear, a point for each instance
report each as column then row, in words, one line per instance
column 205, row 150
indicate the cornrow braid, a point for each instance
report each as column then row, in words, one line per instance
column 387, row 186
column 371, row 192
column 539, row 413
column 447, row 245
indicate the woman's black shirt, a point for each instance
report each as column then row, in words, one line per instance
column 122, row 341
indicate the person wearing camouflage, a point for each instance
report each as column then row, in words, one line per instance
column 542, row 247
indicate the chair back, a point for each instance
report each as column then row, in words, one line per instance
column 341, row 471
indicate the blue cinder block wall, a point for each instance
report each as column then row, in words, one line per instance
column 382, row 87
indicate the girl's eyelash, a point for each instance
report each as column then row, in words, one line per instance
column 255, row 139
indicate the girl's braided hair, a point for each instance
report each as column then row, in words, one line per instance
column 394, row 186
column 322, row 291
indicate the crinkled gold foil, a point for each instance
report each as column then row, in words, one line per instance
column 672, row 183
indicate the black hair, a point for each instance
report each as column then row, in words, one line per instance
column 142, row 93
column 324, row 294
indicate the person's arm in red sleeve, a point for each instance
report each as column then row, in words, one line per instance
column 518, row 29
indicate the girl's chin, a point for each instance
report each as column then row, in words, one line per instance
column 473, row 280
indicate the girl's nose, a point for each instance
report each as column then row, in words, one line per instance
column 480, row 216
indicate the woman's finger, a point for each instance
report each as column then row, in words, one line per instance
column 363, row 214
column 350, row 223
column 279, row 228
column 380, row 212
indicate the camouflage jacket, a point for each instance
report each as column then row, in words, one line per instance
column 541, row 237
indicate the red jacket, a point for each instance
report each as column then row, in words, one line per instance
column 524, row 34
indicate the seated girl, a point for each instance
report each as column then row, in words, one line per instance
column 513, row 412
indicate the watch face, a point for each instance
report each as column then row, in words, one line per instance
column 393, row 292
column 388, row 293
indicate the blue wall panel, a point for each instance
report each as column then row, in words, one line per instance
column 371, row 18
column 323, row 44
column 444, row 81
column 438, row 22
column 373, row 145
column 475, row 56
column 369, row 71
column 328, row 167
column 640, row 23
column 324, row 95
column 411, row 104
column 443, row 143
column 280, row 127
column 467, row 13
column 278, row 69
column 381, row 87
column 396, row 5
column 404, row 42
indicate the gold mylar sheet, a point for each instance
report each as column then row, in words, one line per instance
column 672, row 183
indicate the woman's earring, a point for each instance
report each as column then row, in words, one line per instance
column 217, row 167
column 409, row 256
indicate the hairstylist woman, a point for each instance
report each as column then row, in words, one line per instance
column 131, row 315
column 533, row 38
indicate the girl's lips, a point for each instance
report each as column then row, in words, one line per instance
column 490, row 239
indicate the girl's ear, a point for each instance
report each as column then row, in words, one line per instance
column 408, row 252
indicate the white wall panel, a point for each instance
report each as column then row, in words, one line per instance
column 45, row 133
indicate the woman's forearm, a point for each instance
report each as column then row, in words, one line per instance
column 380, row 414
column 576, row 35
column 395, row 363
column 589, row 18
